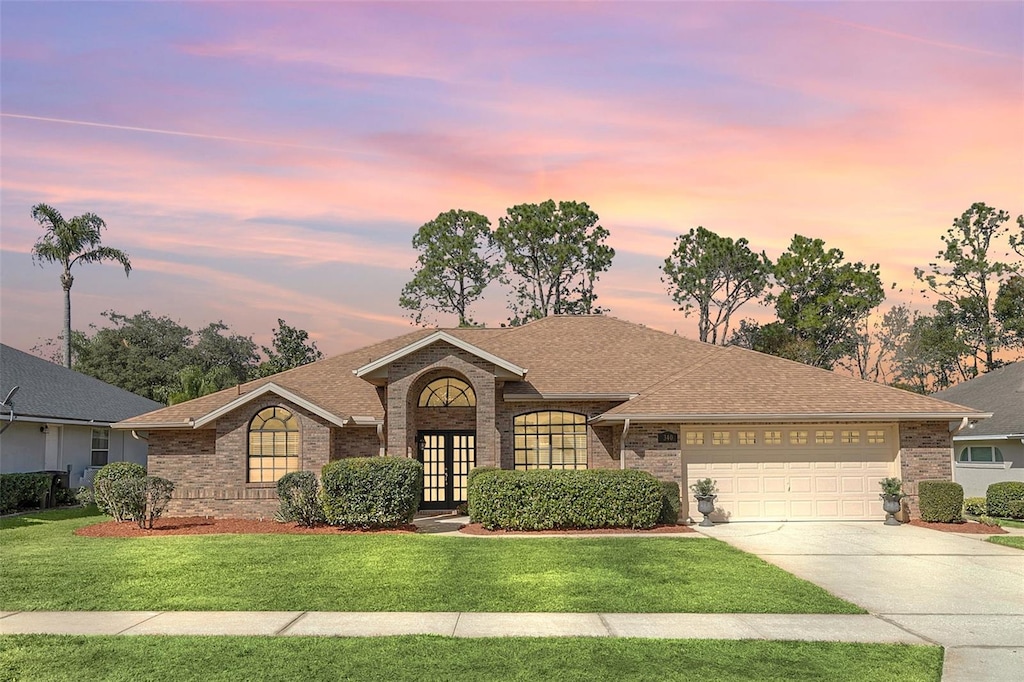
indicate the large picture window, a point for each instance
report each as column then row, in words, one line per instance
column 447, row 392
column 273, row 445
column 550, row 440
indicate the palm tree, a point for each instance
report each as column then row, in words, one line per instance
column 68, row 242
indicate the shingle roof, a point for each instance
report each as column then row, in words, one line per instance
column 47, row 390
column 595, row 355
column 1000, row 392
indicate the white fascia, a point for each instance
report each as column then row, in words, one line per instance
column 368, row 369
column 261, row 391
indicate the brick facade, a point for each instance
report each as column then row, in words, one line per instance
column 926, row 453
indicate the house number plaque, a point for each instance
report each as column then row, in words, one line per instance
column 668, row 437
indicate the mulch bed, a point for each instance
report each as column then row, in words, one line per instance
column 965, row 527
column 477, row 529
column 203, row 526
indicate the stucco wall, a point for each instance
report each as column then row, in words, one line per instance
column 976, row 477
column 23, row 447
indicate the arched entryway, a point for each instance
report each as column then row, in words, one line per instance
column 445, row 425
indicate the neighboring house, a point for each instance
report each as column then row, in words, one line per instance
column 59, row 420
column 783, row 440
column 992, row 450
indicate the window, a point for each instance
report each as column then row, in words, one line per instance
column 550, row 440
column 719, row 437
column 981, row 453
column 100, row 447
column 747, row 438
column 876, row 437
column 273, row 445
column 448, row 392
column 798, row 438
column 850, row 437
column 695, row 438
column 773, row 437
column 824, row 437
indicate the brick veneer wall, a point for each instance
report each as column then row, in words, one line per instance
column 359, row 441
column 926, row 452
column 601, row 448
column 209, row 466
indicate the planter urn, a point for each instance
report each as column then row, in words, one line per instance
column 706, row 505
column 891, row 504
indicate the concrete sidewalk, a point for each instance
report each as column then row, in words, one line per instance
column 812, row 627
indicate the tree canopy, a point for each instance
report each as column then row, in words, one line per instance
column 291, row 348
column 552, row 256
column 716, row 276
column 453, row 268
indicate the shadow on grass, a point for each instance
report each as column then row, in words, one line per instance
column 35, row 518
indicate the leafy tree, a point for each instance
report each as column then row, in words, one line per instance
column 68, row 242
column 1017, row 241
column 141, row 353
column 292, row 348
column 968, row 277
column 453, row 267
column 1008, row 310
column 213, row 351
column 774, row 339
column 552, row 255
column 715, row 275
column 821, row 299
column 929, row 353
column 194, row 381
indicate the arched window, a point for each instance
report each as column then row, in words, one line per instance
column 273, row 445
column 550, row 440
column 448, row 392
column 981, row 453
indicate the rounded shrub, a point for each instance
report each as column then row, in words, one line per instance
column 371, row 492
column 941, row 501
column 546, row 500
column 299, row 495
column 998, row 497
column 110, row 493
column 975, row 506
column 1015, row 509
column 670, row 503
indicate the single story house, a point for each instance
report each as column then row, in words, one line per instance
column 782, row 439
column 992, row 450
column 56, row 419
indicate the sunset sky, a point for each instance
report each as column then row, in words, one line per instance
column 267, row 160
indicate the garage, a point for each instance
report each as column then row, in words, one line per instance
column 792, row 472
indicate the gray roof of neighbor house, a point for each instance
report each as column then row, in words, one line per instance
column 50, row 391
column 589, row 357
column 1000, row 392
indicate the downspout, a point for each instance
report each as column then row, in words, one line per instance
column 136, row 436
column 964, row 423
column 622, row 444
column 380, row 438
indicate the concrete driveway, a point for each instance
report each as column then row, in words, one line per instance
column 955, row 590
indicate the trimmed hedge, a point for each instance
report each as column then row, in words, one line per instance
column 975, row 506
column 941, row 501
column 371, row 492
column 547, row 500
column 1016, row 509
column 998, row 496
column 670, row 503
column 470, row 502
column 299, row 493
column 110, row 494
column 23, row 491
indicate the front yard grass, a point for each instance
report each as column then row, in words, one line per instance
column 54, row 657
column 1016, row 541
column 45, row 567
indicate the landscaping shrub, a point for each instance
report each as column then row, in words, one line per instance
column 371, row 492
column 110, row 494
column 545, row 499
column 941, row 501
column 670, row 503
column 1000, row 495
column 23, row 491
column 975, row 506
column 299, row 494
column 1015, row 509
column 142, row 499
column 473, row 473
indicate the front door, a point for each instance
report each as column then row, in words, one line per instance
column 447, row 457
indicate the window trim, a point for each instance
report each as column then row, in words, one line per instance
column 249, row 456
column 997, row 461
column 104, row 432
column 432, row 389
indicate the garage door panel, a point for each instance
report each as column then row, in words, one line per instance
column 791, row 482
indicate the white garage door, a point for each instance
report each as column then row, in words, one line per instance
column 790, row 473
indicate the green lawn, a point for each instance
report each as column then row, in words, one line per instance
column 46, row 567
column 1008, row 540
column 51, row 657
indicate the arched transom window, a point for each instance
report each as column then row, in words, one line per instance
column 448, row 392
column 273, row 445
column 550, row 440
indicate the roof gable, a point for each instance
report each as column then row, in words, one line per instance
column 262, row 391
column 1000, row 392
column 377, row 370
